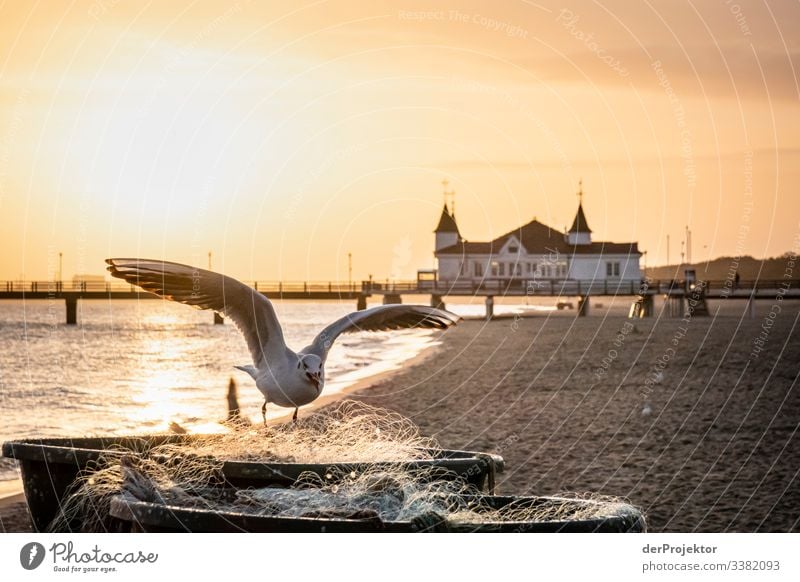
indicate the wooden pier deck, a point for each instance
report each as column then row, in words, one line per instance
column 392, row 291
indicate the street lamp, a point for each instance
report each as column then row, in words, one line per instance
column 350, row 269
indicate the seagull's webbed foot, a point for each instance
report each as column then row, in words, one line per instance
column 264, row 412
column 294, row 416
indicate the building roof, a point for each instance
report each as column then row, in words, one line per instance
column 580, row 224
column 447, row 222
column 538, row 238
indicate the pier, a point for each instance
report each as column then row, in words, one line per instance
column 71, row 292
column 678, row 293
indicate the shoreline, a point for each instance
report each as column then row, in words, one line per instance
column 14, row 507
column 707, row 448
column 12, row 491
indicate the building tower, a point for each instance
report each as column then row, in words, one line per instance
column 580, row 233
column 447, row 232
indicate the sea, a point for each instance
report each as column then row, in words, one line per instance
column 139, row 366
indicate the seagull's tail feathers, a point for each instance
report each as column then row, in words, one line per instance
column 249, row 369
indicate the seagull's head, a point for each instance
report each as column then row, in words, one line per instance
column 310, row 366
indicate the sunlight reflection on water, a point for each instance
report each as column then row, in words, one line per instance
column 138, row 366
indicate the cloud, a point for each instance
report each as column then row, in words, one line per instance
column 733, row 71
column 467, row 165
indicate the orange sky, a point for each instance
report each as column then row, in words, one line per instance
column 283, row 138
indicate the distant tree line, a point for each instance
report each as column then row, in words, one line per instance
column 749, row 268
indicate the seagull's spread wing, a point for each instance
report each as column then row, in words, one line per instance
column 384, row 317
column 251, row 311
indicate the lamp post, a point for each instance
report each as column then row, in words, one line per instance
column 60, row 270
column 350, row 269
column 218, row 319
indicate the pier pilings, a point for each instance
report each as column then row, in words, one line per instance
column 437, row 301
column 489, row 307
column 72, row 309
column 642, row 307
column 583, row 306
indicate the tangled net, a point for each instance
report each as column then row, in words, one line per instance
column 411, row 495
column 347, row 432
column 190, row 474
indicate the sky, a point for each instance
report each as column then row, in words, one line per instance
column 282, row 136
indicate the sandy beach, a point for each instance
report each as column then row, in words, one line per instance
column 13, row 509
column 718, row 450
column 681, row 418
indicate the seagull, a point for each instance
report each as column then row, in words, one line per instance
column 286, row 378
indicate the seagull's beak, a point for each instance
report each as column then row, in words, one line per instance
column 316, row 379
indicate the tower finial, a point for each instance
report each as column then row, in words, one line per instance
column 445, row 193
column 580, row 191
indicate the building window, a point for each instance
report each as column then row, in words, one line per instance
column 495, row 268
column 518, row 269
column 502, row 267
column 513, row 249
column 612, row 269
column 477, row 269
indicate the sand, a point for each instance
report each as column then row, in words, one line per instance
column 13, row 509
column 711, row 447
column 718, row 451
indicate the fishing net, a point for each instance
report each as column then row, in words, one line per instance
column 348, row 432
column 411, row 495
column 190, row 474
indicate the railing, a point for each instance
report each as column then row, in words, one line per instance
column 64, row 286
column 575, row 286
column 457, row 287
column 120, row 287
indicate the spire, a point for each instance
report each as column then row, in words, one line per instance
column 580, row 224
column 447, row 222
column 449, row 195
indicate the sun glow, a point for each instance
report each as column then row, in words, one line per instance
column 158, row 400
column 172, row 144
column 171, row 129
